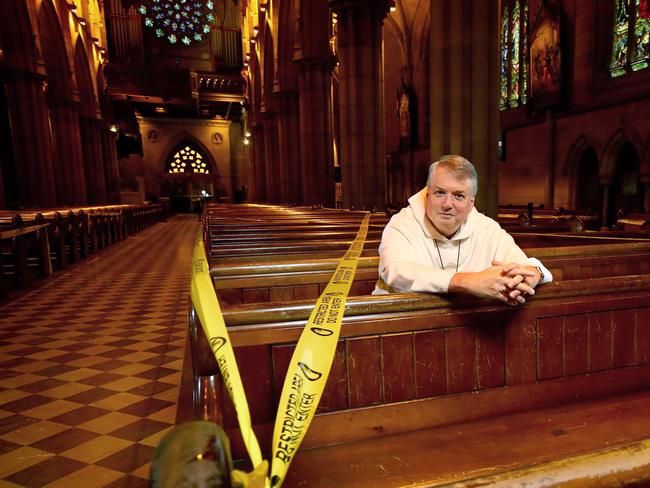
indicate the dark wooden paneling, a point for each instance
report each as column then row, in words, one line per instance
column 550, row 356
column 623, row 338
column 335, row 395
column 600, row 341
column 281, row 356
column 491, row 356
column 398, row 368
column 358, row 288
column 282, row 294
column 255, row 371
column 306, row 292
column 643, row 335
column 364, row 371
column 461, row 359
column 255, row 295
column 430, row 366
column 230, row 296
column 521, row 353
column 576, row 344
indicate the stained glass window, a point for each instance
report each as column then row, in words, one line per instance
column 514, row 66
column 184, row 21
column 631, row 37
column 187, row 160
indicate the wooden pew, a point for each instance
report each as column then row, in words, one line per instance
column 24, row 256
column 570, row 220
column 426, row 369
column 634, row 222
column 272, row 281
column 282, row 249
column 35, row 242
column 446, row 365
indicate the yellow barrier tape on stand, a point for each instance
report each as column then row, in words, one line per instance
column 308, row 370
column 207, row 308
column 311, row 362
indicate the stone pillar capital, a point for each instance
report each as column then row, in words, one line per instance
column 326, row 64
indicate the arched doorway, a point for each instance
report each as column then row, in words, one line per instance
column 190, row 177
column 626, row 196
column 588, row 189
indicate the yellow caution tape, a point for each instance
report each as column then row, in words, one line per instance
column 308, row 370
column 207, row 308
column 311, row 361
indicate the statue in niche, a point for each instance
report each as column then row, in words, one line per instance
column 403, row 112
column 407, row 111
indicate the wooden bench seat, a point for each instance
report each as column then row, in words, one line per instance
column 516, row 346
column 24, row 256
column 280, row 248
column 259, row 281
column 513, row 449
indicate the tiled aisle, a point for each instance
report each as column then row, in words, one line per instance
column 90, row 364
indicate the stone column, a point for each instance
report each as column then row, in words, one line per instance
column 93, row 161
column 549, row 193
column 289, row 146
column 270, row 158
column 361, row 101
column 112, row 176
column 606, row 181
column 465, row 88
column 31, row 139
column 258, row 170
column 68, row 159
column 645, row 185
column 317, row 178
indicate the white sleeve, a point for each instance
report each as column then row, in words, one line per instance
column 401, row 270
column 547, row 276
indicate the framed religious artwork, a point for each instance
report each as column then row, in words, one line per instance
column 545, row 60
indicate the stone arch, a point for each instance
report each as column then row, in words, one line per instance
column 255, row 81
column 627, row 189
column 623, row 146
column 90, row 127
column 614, row 145
column 16, row 36
column 571, row 169
column 287, row 73
column 184, row 189
column 60, row 83
column 177, row 140
column 18, row 184
column 400, row 35
column 645, row 159
column 85, row 85
column 268, row 67
column 61, row 97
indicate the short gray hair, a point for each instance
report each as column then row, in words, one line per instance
column 458, row 165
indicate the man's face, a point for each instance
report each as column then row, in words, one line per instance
column 449, row 201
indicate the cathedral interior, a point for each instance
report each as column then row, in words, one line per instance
column 309, row 105
column 341, row 103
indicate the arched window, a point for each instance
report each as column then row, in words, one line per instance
column 514, row 66
column 631, row 39
column 187, row 159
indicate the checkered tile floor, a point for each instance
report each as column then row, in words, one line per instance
column 91, row 361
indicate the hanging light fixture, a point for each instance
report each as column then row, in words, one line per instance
column 179, row 21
